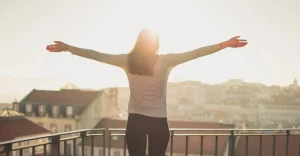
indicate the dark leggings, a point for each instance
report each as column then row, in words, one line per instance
column 138, row 127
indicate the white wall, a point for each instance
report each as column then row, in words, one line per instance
column 92, row 113
column 123, row 97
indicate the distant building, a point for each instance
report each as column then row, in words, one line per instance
column 65, row 110
column 13, row 125
column 68, row 109
column 55, row 110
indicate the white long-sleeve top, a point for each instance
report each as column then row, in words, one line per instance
column 147, row 93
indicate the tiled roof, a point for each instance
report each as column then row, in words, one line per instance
column 15, row 125
column 10, row 114
column 179, row 142
column 267, row 145
column 61, row 97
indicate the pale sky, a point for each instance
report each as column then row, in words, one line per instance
column 272, row 28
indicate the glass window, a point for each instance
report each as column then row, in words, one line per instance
column 55, row 110
column 68, row 127
column 42, row 109
column 69, row 110
column 28, row 108
column 16, row 107
column 53, row 128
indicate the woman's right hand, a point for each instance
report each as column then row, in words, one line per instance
column 57, row 47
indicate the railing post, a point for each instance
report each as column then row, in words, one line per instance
column 260, row 145
column 82, row 135
column 216, row 145
column 172, row 137
column 74, row 147
column 288, row 133
column 201, row 145
column 92, row 145
column 66, row 148
column 231, row 145
column 55, row 145
column 109, row 141
column 7, row 149
column 274, row 145
column 125, row 147
column 104, row 146
column 186, row 145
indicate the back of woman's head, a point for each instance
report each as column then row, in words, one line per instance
column 142, row 58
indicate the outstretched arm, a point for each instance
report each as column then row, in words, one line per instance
column 179, row 58
column 118, row 60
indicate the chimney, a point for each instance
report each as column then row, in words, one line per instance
column 244, row 125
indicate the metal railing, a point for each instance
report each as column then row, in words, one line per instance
column 231, row 142
column 224, row 142
column 52, row 143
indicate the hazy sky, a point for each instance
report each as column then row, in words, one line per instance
column 272, row 28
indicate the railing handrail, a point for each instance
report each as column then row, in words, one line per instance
column 49, row 135
column 56, row 139
column 204, row 129
column 123, row 129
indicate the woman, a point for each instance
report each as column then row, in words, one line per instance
column 147, row 74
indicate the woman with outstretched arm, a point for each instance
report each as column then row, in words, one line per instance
column 147, row 73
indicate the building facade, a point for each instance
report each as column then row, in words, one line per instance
column 68, row 109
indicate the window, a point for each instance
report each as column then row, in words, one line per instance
column 41, row 109
column 16, row 107
column 68, row 128
column 53, row 128
column 28, row 108
column 69, row 110
column 117, row 153
column 55, row 110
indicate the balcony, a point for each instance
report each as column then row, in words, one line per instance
column 203, row 142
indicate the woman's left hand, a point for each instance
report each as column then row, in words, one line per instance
column 234, row 42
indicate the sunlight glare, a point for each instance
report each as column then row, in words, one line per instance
column 157, row 15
